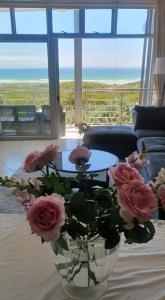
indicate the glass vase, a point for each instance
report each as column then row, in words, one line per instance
column 84, row 266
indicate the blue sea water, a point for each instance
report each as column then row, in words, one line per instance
column 109, row 75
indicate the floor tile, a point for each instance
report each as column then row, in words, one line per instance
column 13, row 153
column 4, row 171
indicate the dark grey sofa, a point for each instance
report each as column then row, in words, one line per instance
column 149, row 127
column 119, row 140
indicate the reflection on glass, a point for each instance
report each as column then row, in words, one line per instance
column 99, row 161
column 82, row 166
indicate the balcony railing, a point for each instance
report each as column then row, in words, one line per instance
column 100, row 106
column 104, row 106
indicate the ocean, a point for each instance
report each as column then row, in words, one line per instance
column 104, row 75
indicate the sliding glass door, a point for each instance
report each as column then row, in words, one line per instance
column 111, row 79
column 77, row 64
column 24, row 89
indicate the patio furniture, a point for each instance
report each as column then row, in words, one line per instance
column 45, row 120
column 7, row 119
column 26, row 119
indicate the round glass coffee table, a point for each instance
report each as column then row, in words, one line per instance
column 98, row 162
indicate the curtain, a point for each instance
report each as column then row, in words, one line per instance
column 159, row 49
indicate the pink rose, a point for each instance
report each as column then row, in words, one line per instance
column 24, row 197
column 123, row 173
column 79, row 153
column 161, row 194
column 46, row 216
column 136, row 160
column 31, row 162
column 36, row 160
column 128, row 219
column 49, row 154
column 152, row 185
column 137, row 200
column 36, row 183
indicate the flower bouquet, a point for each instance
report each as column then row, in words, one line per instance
column 84, row 221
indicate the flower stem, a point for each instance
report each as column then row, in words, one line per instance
column 47, row 170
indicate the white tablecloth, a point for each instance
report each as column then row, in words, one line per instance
column 27, row 267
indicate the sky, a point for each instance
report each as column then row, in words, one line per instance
column 96, row 52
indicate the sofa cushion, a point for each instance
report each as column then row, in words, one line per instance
column 119, row 140
column 152, row 144
column 157, row 161
column 149, row 132
column 149, row 117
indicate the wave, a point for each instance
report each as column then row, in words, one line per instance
column 119, row 82
column 23, row 81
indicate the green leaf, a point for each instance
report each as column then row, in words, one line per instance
column 140, row 234
column 93, row 175
column 67, row 183
column 81, row 177
column 68, row 197
column 55, row 247
column 104, row 227
column 57, row 185
column 87, row 213
column 46, row 181
column 103, row 197
column 75, row 229
column 116, row 219
column 113, row 240
column 149, row 225
column 81, row 230
column 63, row 243
column 77, row 202
column 71, row 229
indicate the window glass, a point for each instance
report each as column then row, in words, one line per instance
column 24, row 89
column 98, row 20
column 5, row 24
column 136, row 24
column 63, row 20
column 111, row 79
column 66, row 76
column 30, row 21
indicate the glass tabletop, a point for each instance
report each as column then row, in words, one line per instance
column 98, row 162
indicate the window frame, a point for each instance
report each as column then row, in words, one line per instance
column 51, row 38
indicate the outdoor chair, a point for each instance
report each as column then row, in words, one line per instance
column 7, row 119
column 45, row 120
column 27, row 122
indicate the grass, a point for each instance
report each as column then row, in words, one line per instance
column 101, row 103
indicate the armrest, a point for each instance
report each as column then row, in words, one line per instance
column 149, row 117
